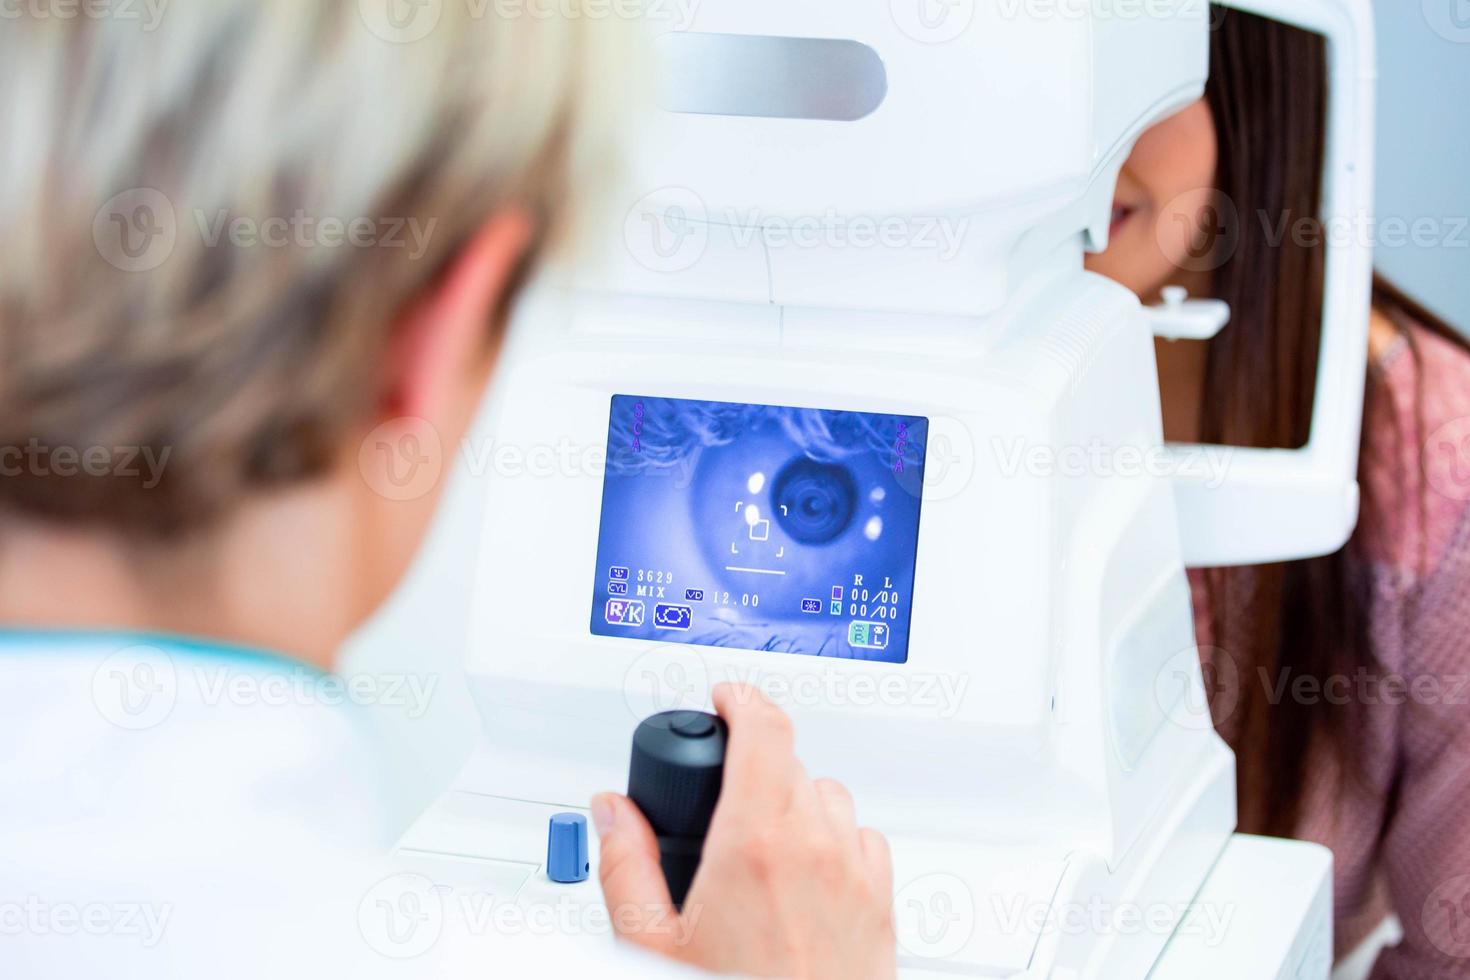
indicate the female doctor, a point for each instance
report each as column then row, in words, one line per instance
column 236, row 241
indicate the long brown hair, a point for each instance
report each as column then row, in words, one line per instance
column 1268, row 94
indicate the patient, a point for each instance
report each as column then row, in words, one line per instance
column 255, row 260
column 1339, row 681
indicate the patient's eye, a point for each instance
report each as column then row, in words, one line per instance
column 777, row 528
column 814, row 502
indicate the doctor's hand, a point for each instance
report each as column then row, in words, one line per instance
column 788, row 885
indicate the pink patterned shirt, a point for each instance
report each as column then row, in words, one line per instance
column 1401, row 834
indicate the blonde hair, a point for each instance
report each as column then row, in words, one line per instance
column 197, row 224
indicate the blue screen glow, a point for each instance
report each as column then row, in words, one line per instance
column 792, row 530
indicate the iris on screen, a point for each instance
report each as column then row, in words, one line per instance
column 791, row 530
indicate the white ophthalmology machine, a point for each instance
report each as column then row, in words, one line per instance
column 876, row 443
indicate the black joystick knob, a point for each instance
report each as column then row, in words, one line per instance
column 674, row 778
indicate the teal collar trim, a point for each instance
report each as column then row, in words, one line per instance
column 193, row 645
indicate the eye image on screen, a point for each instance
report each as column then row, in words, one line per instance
column 791, row 530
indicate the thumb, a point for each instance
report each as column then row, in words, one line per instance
column 633, row 885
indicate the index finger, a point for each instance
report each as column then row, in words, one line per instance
column 760, row 757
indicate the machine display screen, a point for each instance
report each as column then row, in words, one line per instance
column 790, row 530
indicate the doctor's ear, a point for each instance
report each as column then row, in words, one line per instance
column 443, row 345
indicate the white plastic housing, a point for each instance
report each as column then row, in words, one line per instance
column 1007, row 136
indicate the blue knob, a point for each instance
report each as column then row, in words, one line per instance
column 566, row 848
